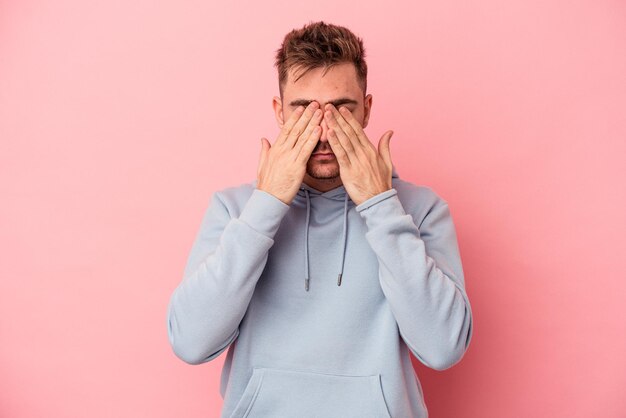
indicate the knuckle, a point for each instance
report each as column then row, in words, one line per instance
column 297, row 131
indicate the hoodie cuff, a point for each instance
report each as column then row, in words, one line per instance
column 264, row 212
column 381, row 208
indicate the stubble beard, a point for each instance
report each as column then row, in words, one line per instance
column 323, row 170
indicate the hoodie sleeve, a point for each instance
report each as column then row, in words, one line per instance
column 225, row 263
column 422, row 277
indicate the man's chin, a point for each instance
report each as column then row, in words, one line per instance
column 327, row 175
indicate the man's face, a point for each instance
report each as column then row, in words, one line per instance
column 340, row 87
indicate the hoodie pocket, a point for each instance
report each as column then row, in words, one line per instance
column 289, row 393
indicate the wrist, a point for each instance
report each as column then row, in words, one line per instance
column 371, row 195
column 278, row 196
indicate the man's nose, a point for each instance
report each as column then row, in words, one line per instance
column 324, row 126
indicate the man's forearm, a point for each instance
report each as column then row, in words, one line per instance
column 421, row 277
column 225, row 263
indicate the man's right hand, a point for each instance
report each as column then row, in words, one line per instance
column 282, row 166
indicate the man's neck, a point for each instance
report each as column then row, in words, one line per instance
column 323, row 185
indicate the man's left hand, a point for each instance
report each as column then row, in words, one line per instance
column 365, row 171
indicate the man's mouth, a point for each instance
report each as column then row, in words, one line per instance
column 323, row 156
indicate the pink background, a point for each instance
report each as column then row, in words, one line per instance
column 119, row 119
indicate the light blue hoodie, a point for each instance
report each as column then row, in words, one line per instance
column 384, row 278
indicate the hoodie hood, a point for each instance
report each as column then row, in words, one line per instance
column 308, row 195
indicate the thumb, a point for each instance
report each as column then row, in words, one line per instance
column 383, row 147
column 265, row 147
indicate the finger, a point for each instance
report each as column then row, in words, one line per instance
column 338, row 150
column 384, row 149
column 306, row 146
column 356, row 126
column 359, row 151
column 300, row 126
column 287, row 126
column 315, row 121
column 341, row 135
column 345, row 126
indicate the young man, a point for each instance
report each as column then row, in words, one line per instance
column 325, row 272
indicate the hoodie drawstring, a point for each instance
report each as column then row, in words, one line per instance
column 343, row 250
column 306, row 240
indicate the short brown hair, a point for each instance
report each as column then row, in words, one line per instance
column 320, row 45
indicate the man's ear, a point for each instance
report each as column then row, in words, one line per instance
column 277, row 103
column 367, row 107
